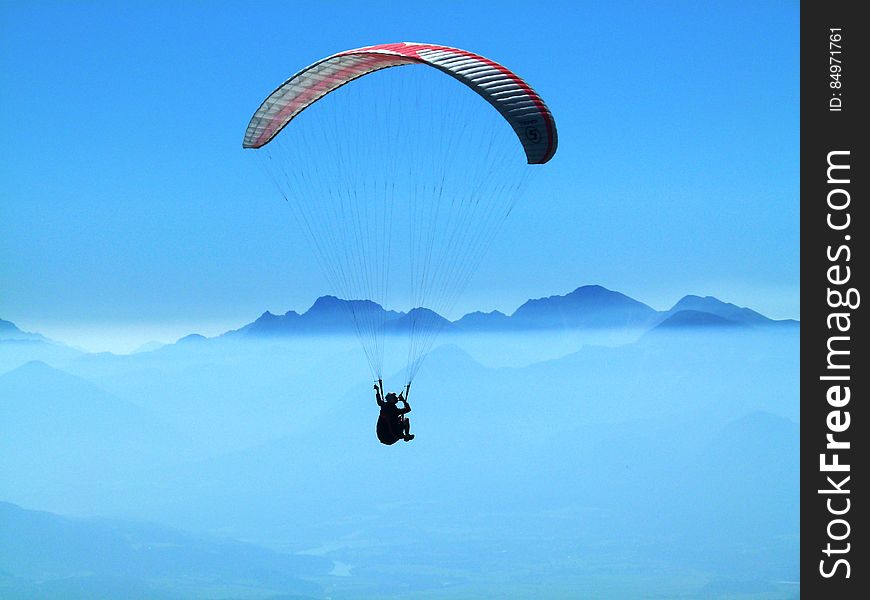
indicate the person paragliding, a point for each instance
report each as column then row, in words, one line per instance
column 366, row 139
column 392, row 423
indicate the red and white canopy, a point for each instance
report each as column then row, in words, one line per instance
column 517, row 102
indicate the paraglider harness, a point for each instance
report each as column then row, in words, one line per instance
column 389, row 427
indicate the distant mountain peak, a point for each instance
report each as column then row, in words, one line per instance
column 325, row 302
column 192, row 338
column 268, row 316
column 10, row 331
column 586, row 306
column 484, row 321
column 35, row 367
column 326, row 305
column 592, row 289
column 709, row 301
column 492, row 313
column 418, row 318
column 726, row 310
column 421, row 310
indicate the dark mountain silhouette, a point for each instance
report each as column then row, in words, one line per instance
column 688, row 319
column 10, row 331
column 420, row 319
column 726, row 310
column 18, row 347
column 100, row 558
column 587, row 307
column 328, row 314
column 481, row 321
column 269, row 324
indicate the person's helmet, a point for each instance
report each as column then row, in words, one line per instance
column 391, row 397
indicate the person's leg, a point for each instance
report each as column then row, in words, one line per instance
column 406, row 430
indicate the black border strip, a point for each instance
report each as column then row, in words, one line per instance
column 834, row 229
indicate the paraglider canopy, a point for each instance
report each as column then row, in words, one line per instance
column 517, row 102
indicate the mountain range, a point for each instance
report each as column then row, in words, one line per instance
column 587, row 307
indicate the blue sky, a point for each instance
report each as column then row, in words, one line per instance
column 127, row 203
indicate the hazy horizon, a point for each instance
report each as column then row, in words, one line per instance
column 125, row 338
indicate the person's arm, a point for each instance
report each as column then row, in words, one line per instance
column 403, row 396
column 378, row 395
